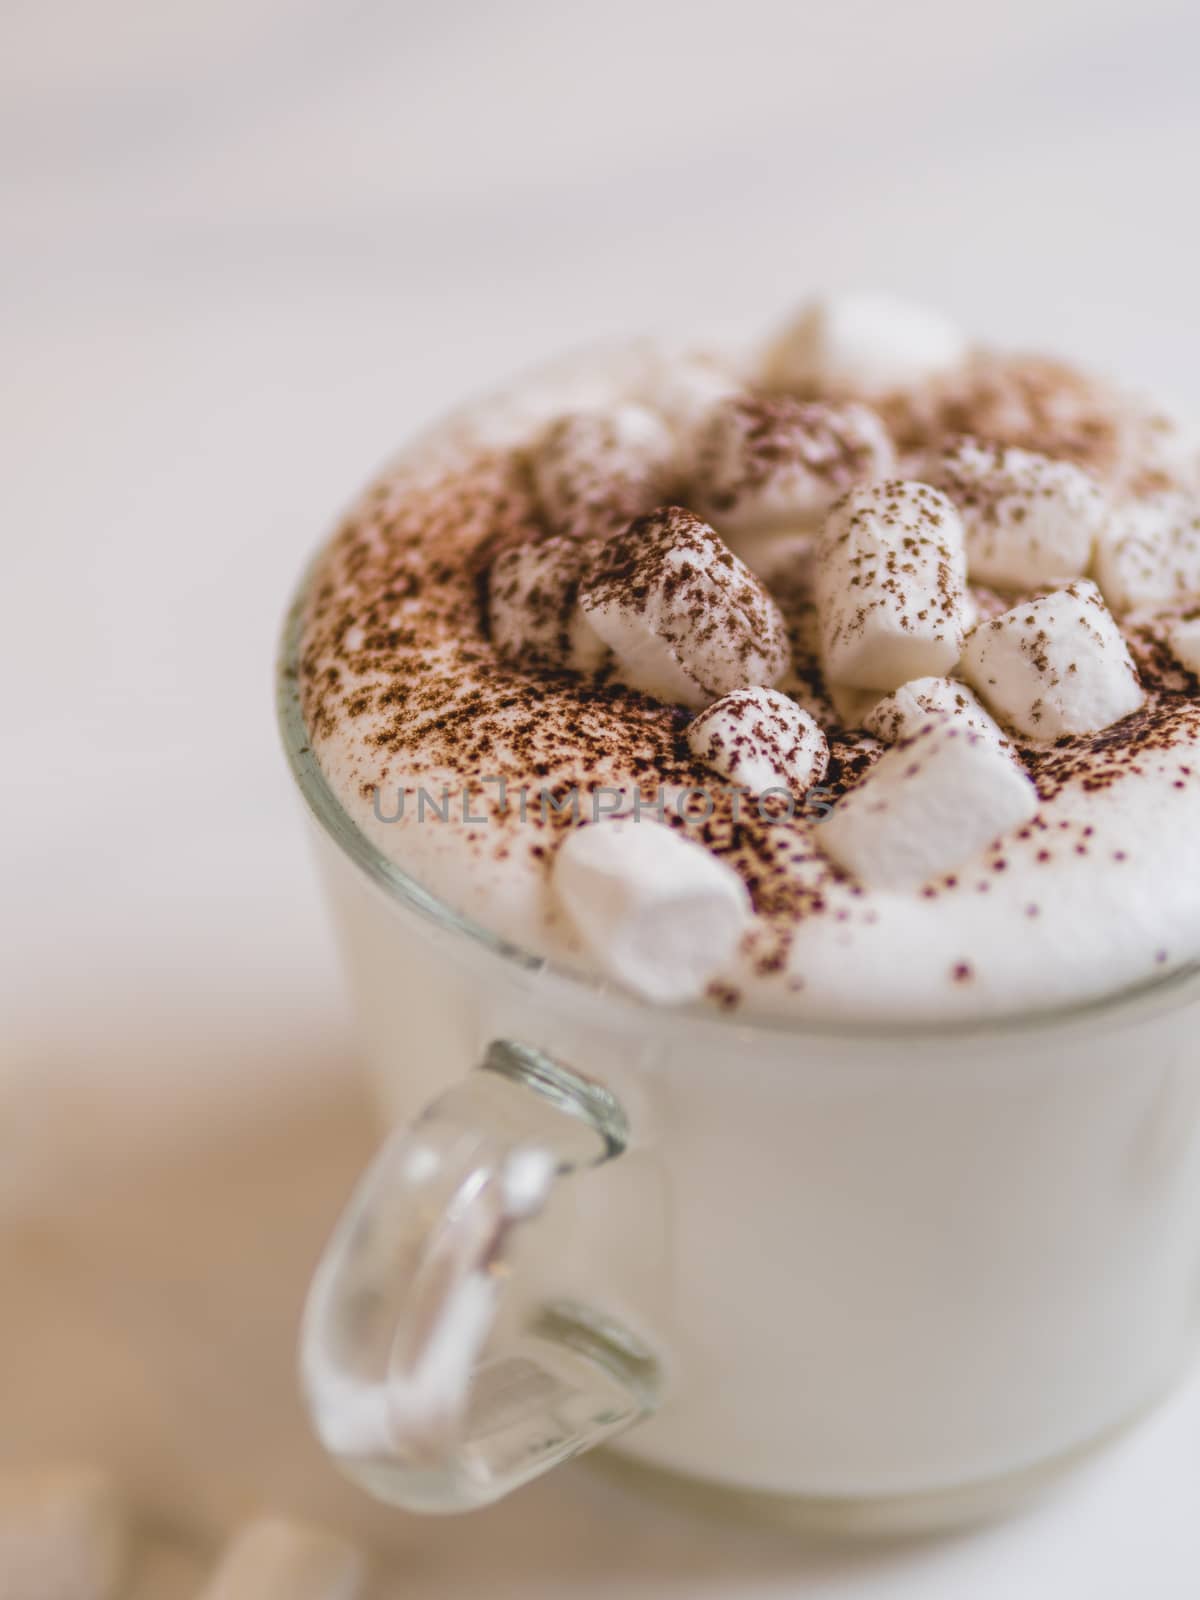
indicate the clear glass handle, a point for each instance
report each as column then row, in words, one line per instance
column 429, row 1380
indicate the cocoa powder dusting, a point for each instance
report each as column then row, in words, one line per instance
column 396, row 643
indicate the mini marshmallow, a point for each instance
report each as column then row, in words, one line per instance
column 275, row 1559
column 770, row 461
column 852, row 706
column 64, row 1535
column 686, row 620
column 1150, row 555
column 658, row 912
column 1183, row 641
column 533, row 606
column 926, row 807
column 1170, row 447
column 890, row 586
column 594, row 471
column 760, row 740
column 685, row 391
column 1053, row 666
column 1028, row 520
column 903, row 713
column 867, row 344
column 787, row 559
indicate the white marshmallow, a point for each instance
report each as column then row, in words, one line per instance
column 852, row 706
column 1054, row 666
column 658, row 912
column 595, row 471
column 275, row 1559
column 771, row 461
column 868, row 344
column 686, row 620
column 64, row 1535
column 1183, row 641
column 1171, row 446
column 685, row 391
column 903, row 713
column 759, row 740
column 1150, row 554
column 786, row 558
column 926, row 807
column 890, row 586
column 533, row 606
column 1028, row 520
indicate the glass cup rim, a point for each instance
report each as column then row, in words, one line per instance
column 386, row 875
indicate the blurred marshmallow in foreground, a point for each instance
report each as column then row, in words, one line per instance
column 657, row 912
column 275, row 1559
column 64, row 1535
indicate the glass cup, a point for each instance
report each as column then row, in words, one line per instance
column 897, row 1274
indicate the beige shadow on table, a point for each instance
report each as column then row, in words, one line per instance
column 157, row 1229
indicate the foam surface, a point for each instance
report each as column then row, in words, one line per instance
column 404, row 691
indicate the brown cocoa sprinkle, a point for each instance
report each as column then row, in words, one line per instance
column 1029, row 401
column 725, row 995
column 671, row 555
column 1097, row 761
column 751, row 438
column 401, row 681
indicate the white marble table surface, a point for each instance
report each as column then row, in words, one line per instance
column 248, row 245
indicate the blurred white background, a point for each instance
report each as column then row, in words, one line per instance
column 251, row 244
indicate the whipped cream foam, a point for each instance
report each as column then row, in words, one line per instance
column 899, row 638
